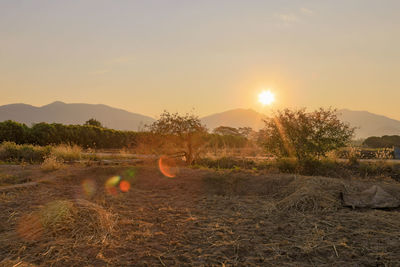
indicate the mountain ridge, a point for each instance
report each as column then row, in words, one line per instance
column 74, row 113
column 367, row 123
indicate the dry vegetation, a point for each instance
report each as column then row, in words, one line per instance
column 201, row 217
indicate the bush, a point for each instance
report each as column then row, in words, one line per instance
column 386, row 141
column 67, row 152
column 52, row 163
column 288, row 165
column 87, row 136
column 301, row 134
column 11, row 152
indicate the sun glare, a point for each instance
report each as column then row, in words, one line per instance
column 266, row 98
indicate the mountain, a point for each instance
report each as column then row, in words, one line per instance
column 234, row 118
column 368, row 124
column 74, row 114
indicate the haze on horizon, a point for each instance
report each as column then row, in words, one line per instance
column 147, row 56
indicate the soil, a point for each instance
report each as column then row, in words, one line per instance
column 134, row 215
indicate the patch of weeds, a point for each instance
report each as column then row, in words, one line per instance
column 52, row 163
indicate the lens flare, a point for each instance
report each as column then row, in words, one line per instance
column 124, row 186
column 129, row 175
column 112, row 185
column 30, row 227
column 51, row 216
column 89, row 187
column 167, row 166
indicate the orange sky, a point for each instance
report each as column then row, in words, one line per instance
column 210, row 56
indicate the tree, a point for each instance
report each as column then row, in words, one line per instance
column 226, row 130
column 185, row 132
column 94, row 122
column 386, row 141
column 304, row 135
column 13, row 131
column 245, row 131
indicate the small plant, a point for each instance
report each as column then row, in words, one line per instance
column 385, row 153
column 354, row 155
column 67, row 152
column 52, row 163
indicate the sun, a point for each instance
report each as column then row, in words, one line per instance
column 266, row 98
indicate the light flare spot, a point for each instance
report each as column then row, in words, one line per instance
column 89, row 187
column 30, row 227
column 124, row 186
column 167, row 167
column 112, row 185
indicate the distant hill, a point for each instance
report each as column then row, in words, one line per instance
column 368, row 124
column 234, row 118
column 74, row 114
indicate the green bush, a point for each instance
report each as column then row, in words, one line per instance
column 288, row 165
column 11, row 152
column 87, row 136
column 67, row 152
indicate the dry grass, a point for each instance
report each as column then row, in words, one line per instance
column 67, row 152
column 52, row 163
column 201, row 217
column 312, row 194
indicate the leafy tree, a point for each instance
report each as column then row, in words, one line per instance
column 55, row 133
column 386, row 141
column 245, row 131
column 226, row 130
column 13, row 131
column 185, row 132
column 94, row 122
column 304, row 135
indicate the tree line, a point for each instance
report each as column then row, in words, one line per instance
column 287, row 133
column 86, row 136
column 93, row 135
column 386, row 141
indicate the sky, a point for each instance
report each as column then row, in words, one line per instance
column 202, row 56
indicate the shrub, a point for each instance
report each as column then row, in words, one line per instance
column 184, row 132
column 67, row 152
column 288, row 165
column 51, row 163
column 11, row 152
column 301, row 134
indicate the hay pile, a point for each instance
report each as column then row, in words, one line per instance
column 312, row 194
column 80, row 219
column 58, row 228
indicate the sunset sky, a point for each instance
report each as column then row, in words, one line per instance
column 210, row 56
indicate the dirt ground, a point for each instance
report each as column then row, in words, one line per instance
column 134, row 215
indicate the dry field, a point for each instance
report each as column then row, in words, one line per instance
column 79, row 216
